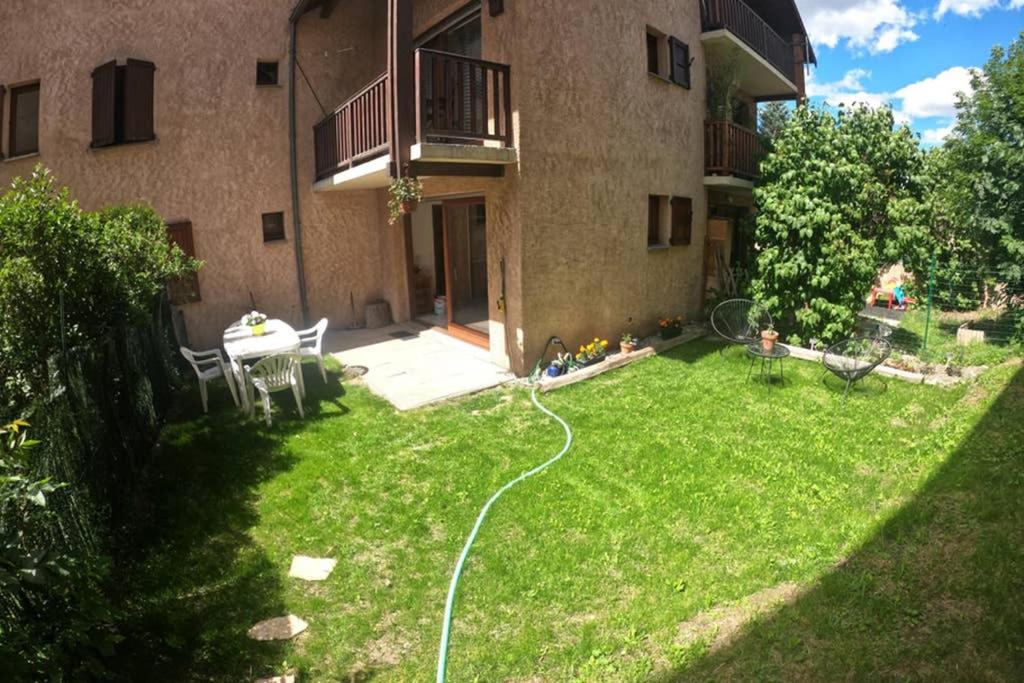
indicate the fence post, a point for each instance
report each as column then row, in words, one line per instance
column 931, row 297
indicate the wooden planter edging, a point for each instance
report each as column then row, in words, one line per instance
column 617, row 360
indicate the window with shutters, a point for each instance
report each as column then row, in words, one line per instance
column 122, row 103
column 23, row 133
column 679, row 55
column 266, row 73
column 273, row 226
column 682, row 221
column 183, row 290
column 657, row 215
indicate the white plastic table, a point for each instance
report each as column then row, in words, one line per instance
column 241, row 345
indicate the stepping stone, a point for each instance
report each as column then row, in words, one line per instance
column 278, row 628
column 287, row 678
column 311, row 568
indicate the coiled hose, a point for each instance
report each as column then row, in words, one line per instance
column 449, row 605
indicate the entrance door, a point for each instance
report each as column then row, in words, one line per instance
column 465, row 256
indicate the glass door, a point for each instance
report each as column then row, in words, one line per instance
column 465, row 238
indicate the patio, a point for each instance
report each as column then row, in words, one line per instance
column 413, row 366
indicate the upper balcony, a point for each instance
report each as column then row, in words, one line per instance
column 462, row 123
column 768, row 65
column 732, row 155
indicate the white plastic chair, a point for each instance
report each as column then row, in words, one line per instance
column 210, row 365
column 273, row 374
column 311, row 343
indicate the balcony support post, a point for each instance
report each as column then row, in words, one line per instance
column 401, row 98
column 799, row 58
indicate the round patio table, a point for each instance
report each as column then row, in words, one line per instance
column 768, row 359
column 242, row 345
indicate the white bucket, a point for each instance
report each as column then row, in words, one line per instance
column 439, row 305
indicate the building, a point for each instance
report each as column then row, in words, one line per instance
column 582, row 162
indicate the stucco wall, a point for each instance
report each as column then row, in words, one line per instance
column 596, row 136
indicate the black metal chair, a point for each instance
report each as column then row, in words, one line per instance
column 851, row 360
column 740, row 321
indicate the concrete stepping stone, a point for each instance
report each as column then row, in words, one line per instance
column 311, row 568
column 278, row 628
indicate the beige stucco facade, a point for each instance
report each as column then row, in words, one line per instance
column 594, row 135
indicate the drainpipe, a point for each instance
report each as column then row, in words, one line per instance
column 300, row 270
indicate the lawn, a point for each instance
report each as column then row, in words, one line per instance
column 700, row 527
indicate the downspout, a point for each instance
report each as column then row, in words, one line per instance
column 300, row 270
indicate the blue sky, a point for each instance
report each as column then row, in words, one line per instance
column 913, row 54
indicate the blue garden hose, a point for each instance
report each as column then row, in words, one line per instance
column 449, row 605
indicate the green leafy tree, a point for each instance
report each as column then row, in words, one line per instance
column 839, row 195
column 68, row 276
column 772, row 119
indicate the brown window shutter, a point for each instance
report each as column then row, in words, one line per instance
column 138, row 100
column 183, row 290
column 104, row 100
column 679, row 55
column 682, row 220
column 3, row 91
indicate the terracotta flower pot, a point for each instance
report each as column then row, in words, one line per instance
column 768, row 339
column 408, row 206
column 627, row 348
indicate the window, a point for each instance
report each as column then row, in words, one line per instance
column 122, row 103
column 24, row 123
column 682, row 220
column 657, row 53
column 183, row 290
column 273, row 226
column 266, row 73
column 655, row 217
column 680, row 62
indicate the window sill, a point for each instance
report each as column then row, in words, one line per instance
column 660, row 246
column 279, row 240
column 121, row 145
column 666, row 79
column 268, row 86
column 22, row 156
column 680, row 244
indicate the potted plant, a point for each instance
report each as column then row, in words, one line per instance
column 768, row 337
column 627, row 344
column 256, row 322
column 671, row 327
column 592, row 353
column 404, row 195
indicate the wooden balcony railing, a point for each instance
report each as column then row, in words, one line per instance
column 738, row 18
column 461, row 100
column 355, row 131
column 730, row 149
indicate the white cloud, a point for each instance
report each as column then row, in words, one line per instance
column 935, row 136
column 930, row 97
column 873, row 25
column 935, row 96
column 972, row 8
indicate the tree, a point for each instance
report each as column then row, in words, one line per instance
column 772, row 119
column 840, row 194
column 986, row 158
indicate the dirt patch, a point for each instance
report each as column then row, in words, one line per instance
column 719, row 625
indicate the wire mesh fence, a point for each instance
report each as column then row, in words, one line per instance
column 953, row 315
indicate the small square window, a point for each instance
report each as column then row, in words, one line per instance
column 657, row 53
column 273, row 226
column 657, row 221
column 23, row 137
column 266, row 73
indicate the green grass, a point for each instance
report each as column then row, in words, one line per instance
column 942, row 346
column 893, row 527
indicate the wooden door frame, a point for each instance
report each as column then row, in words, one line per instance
column 455, row 329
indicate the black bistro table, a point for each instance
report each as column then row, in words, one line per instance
column 768, row 358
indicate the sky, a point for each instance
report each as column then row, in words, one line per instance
column 912, row 54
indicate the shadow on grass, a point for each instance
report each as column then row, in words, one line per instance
column 195, row 581
column 936, row 594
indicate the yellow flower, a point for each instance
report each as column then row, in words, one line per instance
column 604, row 342
column 582, row 349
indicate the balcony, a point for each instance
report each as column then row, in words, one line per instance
column 460, row 124
column 766, row 63
column 732, row 154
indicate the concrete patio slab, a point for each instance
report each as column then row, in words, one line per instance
column 412, row 366
column 311, row 568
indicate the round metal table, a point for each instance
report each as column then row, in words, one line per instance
column 768, row 360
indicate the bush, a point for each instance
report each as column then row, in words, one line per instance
column 68, row 276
